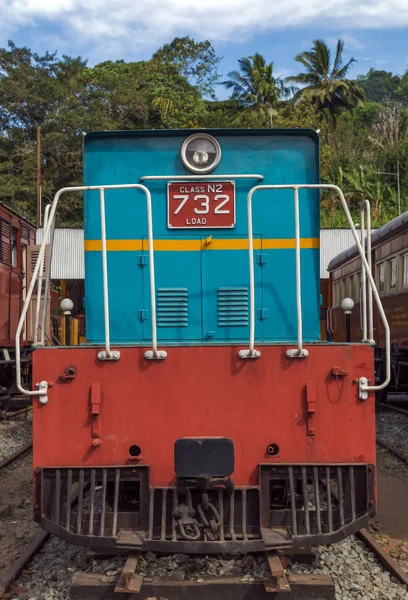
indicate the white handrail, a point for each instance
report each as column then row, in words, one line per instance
column 365, row 207
column 47, row 282
column 39, row 291
column 108, row 353
column 200, row 177
column 151, row 354
column 251, row 352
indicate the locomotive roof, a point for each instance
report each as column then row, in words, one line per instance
column 284, row 131
column 17, row 214
column 377, row 237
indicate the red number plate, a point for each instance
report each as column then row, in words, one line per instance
column 201, row 205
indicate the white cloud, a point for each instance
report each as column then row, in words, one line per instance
column 135, row 24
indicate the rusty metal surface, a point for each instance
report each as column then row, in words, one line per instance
column 392, row 449
column 16, row 454
column 23, row 560
column 300, row 505
column 129, row 581
column 389, row 563
column 303, row 587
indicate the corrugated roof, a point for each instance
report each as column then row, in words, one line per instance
column 68, row 260
column 332, row 243
column 68, row 256
column 379, row 234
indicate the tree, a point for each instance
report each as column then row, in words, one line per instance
column 325, row 84
column 196, row 61
column 256, row 87
column 379, row 85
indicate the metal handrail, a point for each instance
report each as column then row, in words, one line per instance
column 200, row 177
column 364, row 387
column 47, row 282
column 39, row 290
column 108, row 354
column 365, row 207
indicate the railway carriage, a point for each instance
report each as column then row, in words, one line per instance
column 17, row 239
column 204, row 414
column 389, row 259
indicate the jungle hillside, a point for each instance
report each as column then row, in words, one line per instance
column 363, row 123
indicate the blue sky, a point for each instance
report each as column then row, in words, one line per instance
column 375, row 31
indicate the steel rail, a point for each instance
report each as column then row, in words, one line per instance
column 9, row 459
column 391, row 407
column 30, row 551
column 391, row 448
column 385, row 559
column 364, row 386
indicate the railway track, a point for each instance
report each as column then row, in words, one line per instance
column 391, row 407
column 92, row 585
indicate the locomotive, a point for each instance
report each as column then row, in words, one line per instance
column 204, row 414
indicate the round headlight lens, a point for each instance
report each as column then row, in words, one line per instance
column 200, row 153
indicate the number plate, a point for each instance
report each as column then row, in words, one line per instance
column 201, row 205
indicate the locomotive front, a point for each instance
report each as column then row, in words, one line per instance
column 204, row 414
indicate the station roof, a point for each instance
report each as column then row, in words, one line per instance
column 68, row 259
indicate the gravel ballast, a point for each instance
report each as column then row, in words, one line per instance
column 14, row 435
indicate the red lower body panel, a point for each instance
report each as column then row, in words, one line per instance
column 303, row 448
column 301, row 405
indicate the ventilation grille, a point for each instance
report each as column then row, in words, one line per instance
column 232, row 306
column 172, row 307
column 5, row 242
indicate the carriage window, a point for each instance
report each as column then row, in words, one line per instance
column 357, row 287
column 393, row 273
column 381, row 277
column 405, row 270
column 13, row 247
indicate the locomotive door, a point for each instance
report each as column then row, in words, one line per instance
column 225, row 274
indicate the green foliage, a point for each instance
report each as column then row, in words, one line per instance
column 379, row 85
column 257, row 89
column 324, row 84
column 196, row 61
column 363, row 145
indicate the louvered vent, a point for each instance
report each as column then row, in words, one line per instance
column 233, row 306
column 5, row 242
column 172, row 307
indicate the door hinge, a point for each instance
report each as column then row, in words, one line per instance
column 142, row 313
column 142, row 260
column 311, row 407
column 262, row 313
column 261, row 258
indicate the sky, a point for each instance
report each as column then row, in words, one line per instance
column 375, row 32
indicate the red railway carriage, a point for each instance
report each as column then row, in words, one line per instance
column 204, row 414
column 17, row 236
column 389, row 259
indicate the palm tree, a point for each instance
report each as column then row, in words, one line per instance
column 256, row 87
column 325, row 84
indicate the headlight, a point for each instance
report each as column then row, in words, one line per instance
column 200, row 153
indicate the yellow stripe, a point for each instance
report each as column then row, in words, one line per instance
column 194, row 245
